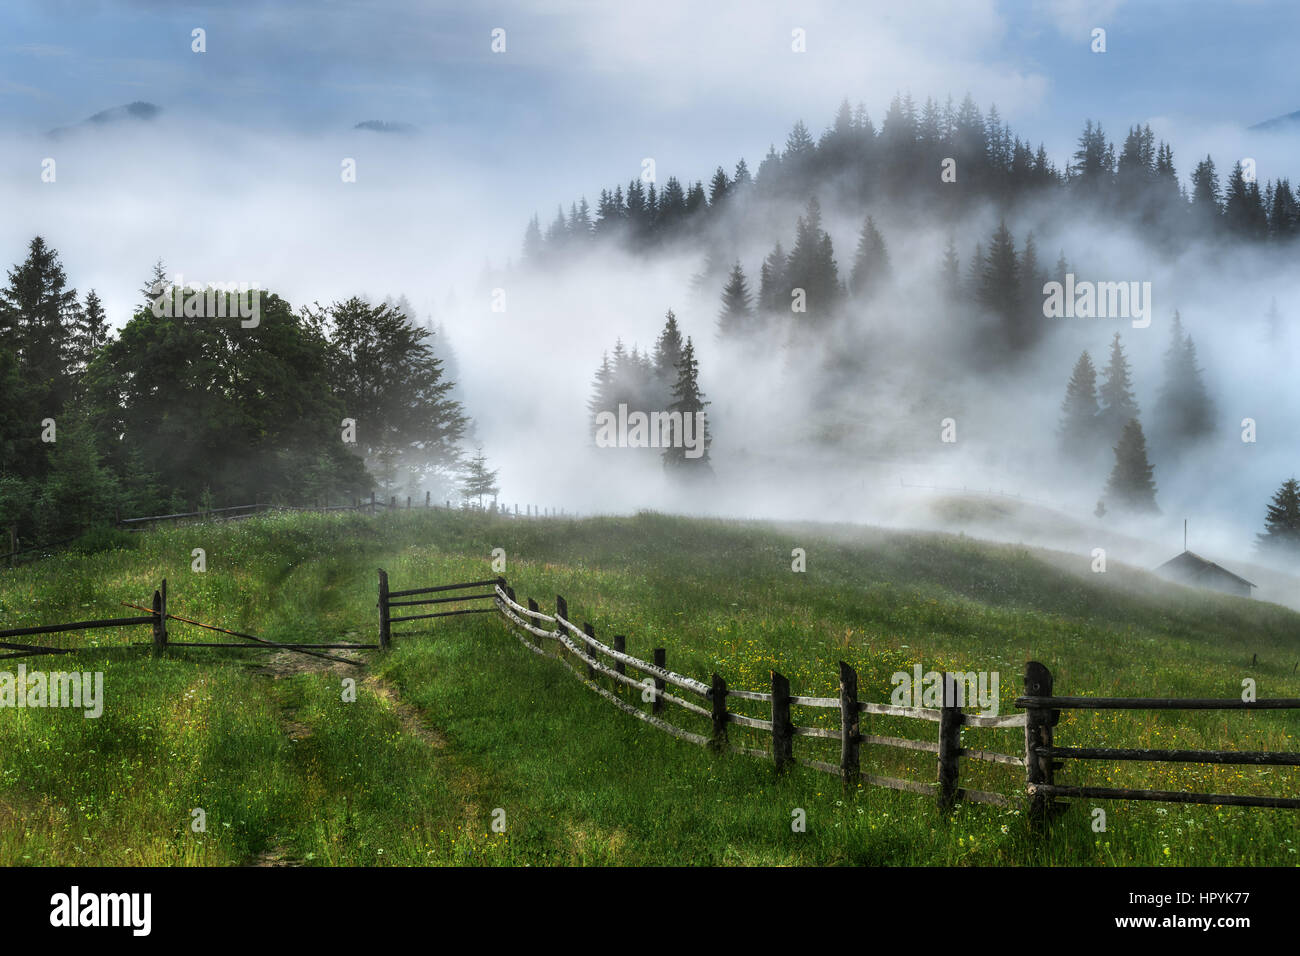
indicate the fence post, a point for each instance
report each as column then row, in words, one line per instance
column 850, row 736
column 620, row 645
column 385, row 636
column 1038, row 734
column 719, row 696
column 13, row 543
column 408, row 502
column 782, row 727
column 950, row 721
column 392, row 502
column 660, row 660
column 591, row 651
column 561, row 611
column 160, row 618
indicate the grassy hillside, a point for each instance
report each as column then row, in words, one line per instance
column 459, row 720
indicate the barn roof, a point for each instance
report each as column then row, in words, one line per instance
column 1194, row 567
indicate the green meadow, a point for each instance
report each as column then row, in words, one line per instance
column 459, row 725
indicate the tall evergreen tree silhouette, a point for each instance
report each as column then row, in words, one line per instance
column 1132, row 484
column 736, row 318
column 1118, row 405
column 871, row 263
column 1078, row 428
column 1282, row 522
column 688, row 399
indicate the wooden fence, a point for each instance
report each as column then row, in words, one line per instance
column 578, row 649
column 589, row 659
column 157, row 617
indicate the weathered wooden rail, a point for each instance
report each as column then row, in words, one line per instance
column 157, row 618
column 1045, row 758
column 589, row 658
column 386, row 603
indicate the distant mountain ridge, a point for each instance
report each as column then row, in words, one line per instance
column 1289, row 121
column 140, row 111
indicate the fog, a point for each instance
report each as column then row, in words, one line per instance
column 221, row 203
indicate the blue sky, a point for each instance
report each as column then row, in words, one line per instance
column 587, row 86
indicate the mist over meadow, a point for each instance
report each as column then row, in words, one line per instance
column 835, row 413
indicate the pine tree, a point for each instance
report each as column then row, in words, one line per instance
column 736, row 317
column 718, row 186
column 155, row 285
column 1118, row 405
column 950, row 272
column 1132, row 486
column 533, row 241
column 1282, row 521
column 688, row 400
column 999, row 289
column 1183, row 412
column 38, row 318
column 668, row 352
column 90, row 330
column 871, row 264
column 774, row 282
column 478, row 479
column 1078, row 429
column 601, row 391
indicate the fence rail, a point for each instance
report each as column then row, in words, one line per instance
column 1040, row 758
column 590, row 659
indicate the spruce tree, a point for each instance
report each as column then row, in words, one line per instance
column 688, row 400
column 478, row 479
column 1118, row 405
column 1078, row 430
column 1282, row 521
column 1183, row 412
column 871, row 264
column 774, row 283
column 736, row 317
column 668, row 352
column 1131, row 486
column 91, row 330
column 950, row 272
column 38, row 320
column 601, row 392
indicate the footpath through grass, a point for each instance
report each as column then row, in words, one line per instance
column 459, row 722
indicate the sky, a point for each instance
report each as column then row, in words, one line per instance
column 584, row 91
column 238, row 179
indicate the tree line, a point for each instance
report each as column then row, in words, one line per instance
column 177, row 413
column 901, row 161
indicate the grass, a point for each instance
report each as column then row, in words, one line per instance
column 459, row 725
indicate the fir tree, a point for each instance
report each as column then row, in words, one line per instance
column 1183, row 411
column 688, row 400
column 950, row 272
column 668, row 352
column 736, row 317
column 1118, row 405
column 1132, row 486
column 871, row 264
column 1078, row 430
column 1282, row 521
column 601, row 391
column 478, row 480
